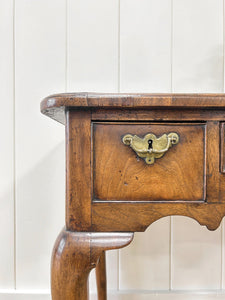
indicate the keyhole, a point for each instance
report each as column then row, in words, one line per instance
column 150, row 144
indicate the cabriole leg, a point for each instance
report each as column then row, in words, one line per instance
column 74, row 255
column 101, row 277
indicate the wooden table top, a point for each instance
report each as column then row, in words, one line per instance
column 54, row 105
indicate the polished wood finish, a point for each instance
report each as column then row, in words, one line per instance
column 178, row 175
column 75, row 254
column 109, row 191
column 222, row 148
column 137, row 216
column 54, row 106
column 101, row 277
column 213, row 162
column 78, row 171
column 178, row 115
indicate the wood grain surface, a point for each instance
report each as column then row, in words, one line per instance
column 74, row 255
column 100, row 168
column 120, row 175
column 101, row 279
column 222, row 148
column 78, row 171
column 157, row 114
column 213, row 162
column 134, row 216
column 54, row 105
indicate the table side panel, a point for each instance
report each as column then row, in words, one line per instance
column 78, row 170
column 110, row 189
column 114, row 216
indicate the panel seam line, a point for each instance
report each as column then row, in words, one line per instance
column 14, row 144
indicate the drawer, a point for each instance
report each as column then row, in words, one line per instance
column 120, row 174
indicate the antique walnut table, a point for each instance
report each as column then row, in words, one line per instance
column 132, row 159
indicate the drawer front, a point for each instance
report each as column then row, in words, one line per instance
column 120, row 174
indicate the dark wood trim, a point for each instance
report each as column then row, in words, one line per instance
column 54, row 106
column 138, row 216
column 101, row 278
column 78, row 171
column 213, row 163
column 158, row 115
column 222, row 148
column 75, row 254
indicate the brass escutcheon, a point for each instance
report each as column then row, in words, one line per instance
column 150, row 147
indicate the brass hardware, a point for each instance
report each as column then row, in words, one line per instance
column 150, row 147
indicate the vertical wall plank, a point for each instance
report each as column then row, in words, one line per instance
column 145, row 66
column 92, row 55
column 145, row 43
column 7, row 146
column 223, row 254
column 144, row 265
column 92, row 45
column 40, row 168
column 197, row 67
column 223, row 222
column 198, row 46
column 196, row 256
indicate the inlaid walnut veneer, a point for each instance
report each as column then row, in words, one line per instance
column 132, row 159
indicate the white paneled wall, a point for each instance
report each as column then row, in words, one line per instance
column 92, row 45
column 145, row 45
column 145, row 264
column 50, row 46
column 197, row 43
column 6, row 146
column 39, row 146
column 197, row 66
